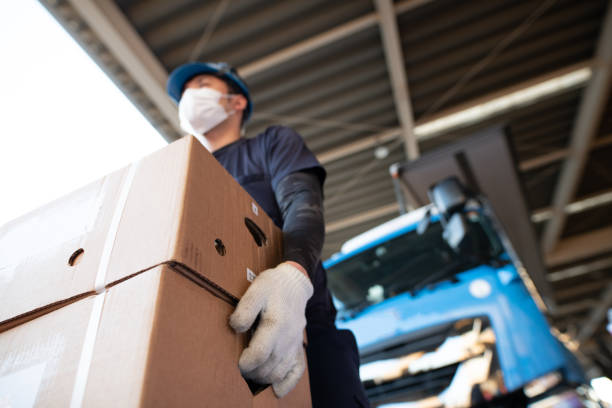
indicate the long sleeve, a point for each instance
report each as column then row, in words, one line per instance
column 300, row 200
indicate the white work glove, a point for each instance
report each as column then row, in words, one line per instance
column 275, row 354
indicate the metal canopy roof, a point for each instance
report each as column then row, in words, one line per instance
column 355, row 75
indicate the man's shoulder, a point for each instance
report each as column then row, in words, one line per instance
column 278, row 134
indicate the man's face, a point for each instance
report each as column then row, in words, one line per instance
column 237, row 102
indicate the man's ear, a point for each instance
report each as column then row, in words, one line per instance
column 239, row 102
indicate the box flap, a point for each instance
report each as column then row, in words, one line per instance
column 154, row 339
column 184, row 207
column 39, row 358
column 175, row 348
column 52, row 253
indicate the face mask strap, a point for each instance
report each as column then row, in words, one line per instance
column 227, row 96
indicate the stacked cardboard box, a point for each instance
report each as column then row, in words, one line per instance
column 119, row 294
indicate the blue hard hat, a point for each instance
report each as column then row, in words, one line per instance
column 179, row 77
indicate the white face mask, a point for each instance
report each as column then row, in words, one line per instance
column 199, row 111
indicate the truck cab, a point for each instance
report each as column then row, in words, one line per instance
column 442, row 316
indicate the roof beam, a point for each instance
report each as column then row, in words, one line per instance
column 585, row 127
column 580, row 247
column 321, row 40
column 573, row 307
column 596, row 316
column 118, row 35
column 421, row 129
column 583, row 204
column 504, row 100
column 358, row 146
column 581, row 290
column 556, row 155
column 362, row 218
column 538, row 215
column 308, row 45
column 394, row 57
column 580, row 270
column 389, row 135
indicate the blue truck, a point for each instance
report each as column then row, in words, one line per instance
column 442, row 316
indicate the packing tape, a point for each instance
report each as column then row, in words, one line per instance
column 78, row 392
column 114, row 228
column 98, row 204
column 82, row 374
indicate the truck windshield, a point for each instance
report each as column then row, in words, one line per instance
column 408, row 263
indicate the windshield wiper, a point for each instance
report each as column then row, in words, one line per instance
column 448, row 272
column 353, row 311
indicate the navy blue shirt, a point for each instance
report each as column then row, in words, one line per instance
column 259, row 164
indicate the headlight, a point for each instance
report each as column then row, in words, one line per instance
column 542, row 384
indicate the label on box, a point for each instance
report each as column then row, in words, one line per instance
column 254, row 208
column 251, row 275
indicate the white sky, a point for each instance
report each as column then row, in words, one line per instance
column 63, row 123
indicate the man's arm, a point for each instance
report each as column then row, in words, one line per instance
column 275, row 354
column 300, row 201
column 279, row 295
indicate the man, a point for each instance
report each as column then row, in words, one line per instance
column 285, row 178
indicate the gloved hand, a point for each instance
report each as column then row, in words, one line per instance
column 275, row 354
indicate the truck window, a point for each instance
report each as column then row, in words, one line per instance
column 408, row 263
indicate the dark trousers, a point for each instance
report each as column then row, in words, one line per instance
column 333, row 366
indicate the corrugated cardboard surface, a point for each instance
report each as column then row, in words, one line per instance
column 39, row 359
column 35, row 249
column 170, row 206
column 215, row 207
column 175, row 332
column 160, row 340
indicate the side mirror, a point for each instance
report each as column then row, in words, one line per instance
column 448, row 196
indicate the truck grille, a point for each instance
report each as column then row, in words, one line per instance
column 411, row 387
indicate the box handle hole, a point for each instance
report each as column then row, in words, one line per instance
column 75, row 256
column 258, row 235
column 254, row 387
column 220, row 247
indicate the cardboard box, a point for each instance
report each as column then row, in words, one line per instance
column 177, row 206
column 155, row 339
